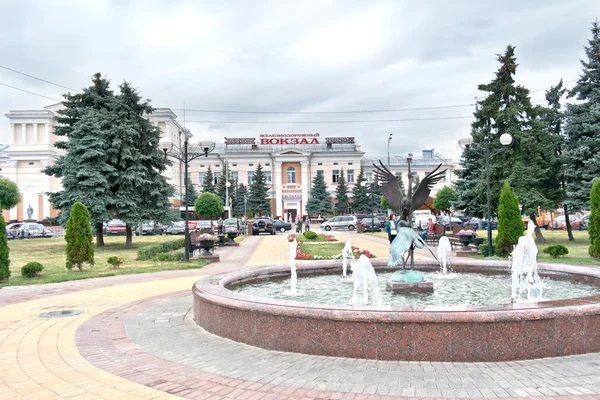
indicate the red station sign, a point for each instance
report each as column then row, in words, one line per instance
column 289, row 138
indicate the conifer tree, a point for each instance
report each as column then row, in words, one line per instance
column 375, row 196
column 319, row 203
column 583, row 127
column 208, row 186
column 4, row 252
column 241, row 193
column 594, row 223
column 258, row 199
column 192, row 194
column 341, row 194
column 360, row 198
column 221, row 181
column 510, row 224
column 79, row 237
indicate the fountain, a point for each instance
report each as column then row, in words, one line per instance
column 347, row 254
column 292, row 262
column 363, row 275
column 444, row 249
column 526, row 283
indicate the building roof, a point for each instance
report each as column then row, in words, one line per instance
column 401, row 160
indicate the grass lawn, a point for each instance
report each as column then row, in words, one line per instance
column 320, row 238
column 323, row 250
column 51, row 254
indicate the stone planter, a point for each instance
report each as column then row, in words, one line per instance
column 465, row 240
column 207, row 246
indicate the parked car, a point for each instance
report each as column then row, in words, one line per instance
column 28, row 231
column 359, row 217
column 585, row 220
column 232, row 225
column 560, row 222
column 421, row 218
column 341, row 222
column 116, row 227
column 176, row 228
column 371, row 224
column 150, row 228
column 282, row 226
column 12, row 230
column 263, row 225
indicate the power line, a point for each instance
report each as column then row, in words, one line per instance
column 27, row 91
column 328, row 121
column 36, row 78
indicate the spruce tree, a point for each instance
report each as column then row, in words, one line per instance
column 208, row 186
column 4, row 252
column 319, row 203
column 594, row 223
column 139, row 188
column 220, row 189
column 192, row 194
column 79, row 237
column 360, row 198
column 583, row 127
column 375, row 197
column 341, row 194
column 258, row 199
column 10, row 195
column 510, row 224
column 241, row 193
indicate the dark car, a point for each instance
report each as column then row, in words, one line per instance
column 263, row 225
column 28, row 231
column 176, row 228
column 150, row 228
column 371, row 224
column 116, row 227
column 282, row 226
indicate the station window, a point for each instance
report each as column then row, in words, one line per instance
column 268, row 178
column 335, row 175
column 350, row 176
column 267, row 164
column 234, row 165
column 217, row 165
column 31, row 163
column 291, row 175
column 250, row 177
column 335, row 163
column 350, row 163
column 201, row 178
column 251, row 165
column 201, row 165
column 319, row 164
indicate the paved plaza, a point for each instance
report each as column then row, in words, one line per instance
column 136, row 339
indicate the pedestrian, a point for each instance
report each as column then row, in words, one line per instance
column 220, row 226
column 299, row 226
column 307, row 224
column 390, row 228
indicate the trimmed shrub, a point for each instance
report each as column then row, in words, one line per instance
column 174, row 256
column 510, row 224
column 79, row 237
column 115, row 261
column 594, row 224
column 556, row 250
column 31, row 269
column 484, row 249
column 148, row 252
column 310, row 235
column 4, row 251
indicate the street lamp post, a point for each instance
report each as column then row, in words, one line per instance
column 389, row 139
column 227, row 183
column 505, row 140
column 186, row 157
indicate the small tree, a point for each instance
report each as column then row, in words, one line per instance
column 510, row 224
column 79, row 237
column 445, row 198
column 208, row 186
column 360, row 197
column 319, row 202
column 594, row 223
column 209, row 205
column 4, row 251
column 241, row 195
column 341, row 194
column 192, row 195
column 9, row 194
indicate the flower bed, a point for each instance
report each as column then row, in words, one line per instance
column 321, row 238
column 357, row 252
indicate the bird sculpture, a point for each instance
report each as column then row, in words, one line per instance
column 404, row 206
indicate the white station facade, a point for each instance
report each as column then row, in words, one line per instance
column 290, row 162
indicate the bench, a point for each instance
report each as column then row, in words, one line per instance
column 434, row 237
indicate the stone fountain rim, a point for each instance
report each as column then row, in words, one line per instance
column 214, row 289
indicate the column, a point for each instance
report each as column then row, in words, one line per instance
column 48, row 130
column 20, row 209
column 167, row 132
column 23, row 133
column 13, row 139
column 305, row 183
column 40, row 216
column 278, row 188
column 35, row 138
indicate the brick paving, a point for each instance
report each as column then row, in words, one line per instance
column 135, row 339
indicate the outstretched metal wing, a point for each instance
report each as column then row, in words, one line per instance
column 389, row 185
column 422, row 192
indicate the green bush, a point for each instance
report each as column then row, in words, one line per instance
column 79, row 237
column 594, row 224
column 4, row 251
column 148, row 252
column 510, row 224
column 310, row 235
column 484, row 249
column 115, row 261
column 174, row 256
column 556, row 250
column 31, row 269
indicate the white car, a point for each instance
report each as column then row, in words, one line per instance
column 340, row 222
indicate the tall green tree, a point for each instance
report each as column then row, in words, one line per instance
column 192, row 194
column 341, row 194
column 4, row 251
column 208, row 186
column 583, row 127
column 594, row 223
column 360, row 198
column 221, row 189
column 510, row 224
column 445, row 199
column 375, row 197
column 140, row 190
column 319, row 203
column 9, row 194
column 241, row 193
column 258, row 199
column 83, row 124
column 209, row 205
column 79, row 237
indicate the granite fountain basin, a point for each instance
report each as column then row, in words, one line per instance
column 462, row 333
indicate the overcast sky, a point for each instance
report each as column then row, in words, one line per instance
column 295, row 56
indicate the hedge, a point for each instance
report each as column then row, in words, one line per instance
column 148, row 252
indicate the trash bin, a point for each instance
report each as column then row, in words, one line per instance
column 359, row 227
column 249, row 225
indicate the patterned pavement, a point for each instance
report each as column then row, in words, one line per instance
column 135, row 339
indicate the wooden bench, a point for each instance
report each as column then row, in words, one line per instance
column 434, row 237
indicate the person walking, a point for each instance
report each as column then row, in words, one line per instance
column 307, row 224
column 299, row 226
column 220, row 226
column 390, row 228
